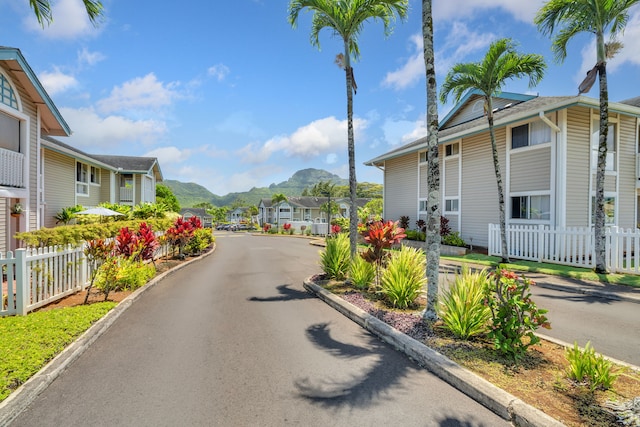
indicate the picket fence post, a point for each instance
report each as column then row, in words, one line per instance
column 22, row 290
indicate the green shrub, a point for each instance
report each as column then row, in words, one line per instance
column 462, row 308
column 120, row 273
column 201, row 239
column 336, row 257
column 415, row 235
column 404, row 277
column 514, row 315
column 585, row 366
column 453, row 239
column 362, row 273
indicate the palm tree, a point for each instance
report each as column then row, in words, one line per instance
column 433, row 178
column 598, row 17
column 275, row 200
column 42, row 10
column 346, row 18
column 488, row 76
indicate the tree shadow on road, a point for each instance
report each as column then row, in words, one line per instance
column 586, row 298
column 286, row 294
column 361, row 390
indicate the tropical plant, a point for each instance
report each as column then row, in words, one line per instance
column 149, row 210
column 201, row 239
column 599, row 17
column 66, row 215
column 42, row 10
column 381, row 236
column 346, row 19
column 276, row 199
column 462, row 308
column 361, row 273
column 165, row 196
column 179, row 234
column 403, row 279
column 501, row 63
column 433, row 165
column 586, row 366
column 119, row 273
column 335, row 258
column 404, row 222
column 454, row 239
column 97, row 252
column 514, row 315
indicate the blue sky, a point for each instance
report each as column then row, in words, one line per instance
column 226, row 94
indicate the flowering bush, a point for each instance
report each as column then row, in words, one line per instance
column 266, row 227
column 514, row 315
column 335, row 229
column 140, row 245
column 180, row 233
column 286, row 226
column 381, row 236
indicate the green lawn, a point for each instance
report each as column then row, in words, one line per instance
column 551, row 269
column 29, row 342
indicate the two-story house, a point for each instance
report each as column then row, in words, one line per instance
column 547, row 149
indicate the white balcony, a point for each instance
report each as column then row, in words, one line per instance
column 11, row 168
column 126, row 195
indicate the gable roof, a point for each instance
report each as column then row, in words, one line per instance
column 201, row 212
column 536, row 106
column 19, row 69
column 120, row 164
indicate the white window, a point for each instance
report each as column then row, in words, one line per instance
column 452, row 149
column 611, row 147
column 531, row 207
column 451, row 205
column 423, row 157
column 533, row 133
column 82, row 178
column 95, row 175
column 609, row 210
column 423, row 205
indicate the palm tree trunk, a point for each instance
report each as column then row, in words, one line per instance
column 353, row 211
column 496, row 165
column 433, row 177
column 599, row 220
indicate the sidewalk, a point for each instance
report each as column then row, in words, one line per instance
column 599, row 289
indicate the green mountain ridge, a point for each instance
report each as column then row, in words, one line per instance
column 190, row 193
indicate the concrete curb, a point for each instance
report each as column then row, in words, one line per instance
column 20, row 399
column 497, row 400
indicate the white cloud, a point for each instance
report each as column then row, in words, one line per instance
column 140, row 93
column 403, row 131
column 456, row 9
column 411, row 72
column 70, row 20
column 89, row 58
column 91, row 130
column 168, row 155
column 56, row 81
column 219, row 71
column 319, row 137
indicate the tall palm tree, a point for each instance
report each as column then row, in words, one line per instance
column 572, row 17
column 275, row 200
column 433, row 177
column 42, row 10
column 346, row 18
column 488, row 76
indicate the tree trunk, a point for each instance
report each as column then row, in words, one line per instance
column 433, row 177
column 496, row 165
column 353, row 211
column 599, row 220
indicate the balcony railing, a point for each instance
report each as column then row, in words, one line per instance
column 126, row 194
column 11, row 168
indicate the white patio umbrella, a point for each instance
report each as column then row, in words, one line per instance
column 99, row 211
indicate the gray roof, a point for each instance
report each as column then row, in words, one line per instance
column 311, row 202
column 632, row 101
column 201, row 212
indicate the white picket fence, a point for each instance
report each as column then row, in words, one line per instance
column 32, row 278
column 569, row 246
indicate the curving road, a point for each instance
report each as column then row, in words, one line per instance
column 234, row 340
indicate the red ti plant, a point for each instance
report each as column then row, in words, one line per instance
column 381, row 236
column 286, row 226
column 195, row 222
column 147, row 242
column 335, row 229
column 266, row 227
column 180, row 233
column 126, row 243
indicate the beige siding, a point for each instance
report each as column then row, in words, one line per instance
column 627, row 172
column 424, row 181
column 59, row 185
column 578, row 168
column 451, row 176
column 401, row 188
column 530, row 170
column 609, row 183
column 479, row 189
column 454, row 222
column 105, row 186
column 138, row 189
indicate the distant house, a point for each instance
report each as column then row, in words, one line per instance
column 547, row 147
column 205, row 218
column 306, row 208
column 74, row 177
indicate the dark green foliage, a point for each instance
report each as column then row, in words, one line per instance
column 166, row 196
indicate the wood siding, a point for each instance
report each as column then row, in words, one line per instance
column 578, row 167
column 401, row 188
column 530, row 170
column 59, row 185
column 627, row 172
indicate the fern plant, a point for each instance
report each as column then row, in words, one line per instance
column 336, row 257
column 404, row 277
column 462, row 308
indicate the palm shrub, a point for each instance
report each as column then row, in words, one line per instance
column 361, row 273
column 462, row 307
column 404, row 277
column 515, row 317
column 336, row 257
column 586, row 366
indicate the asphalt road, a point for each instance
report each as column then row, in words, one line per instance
column 234, row 340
